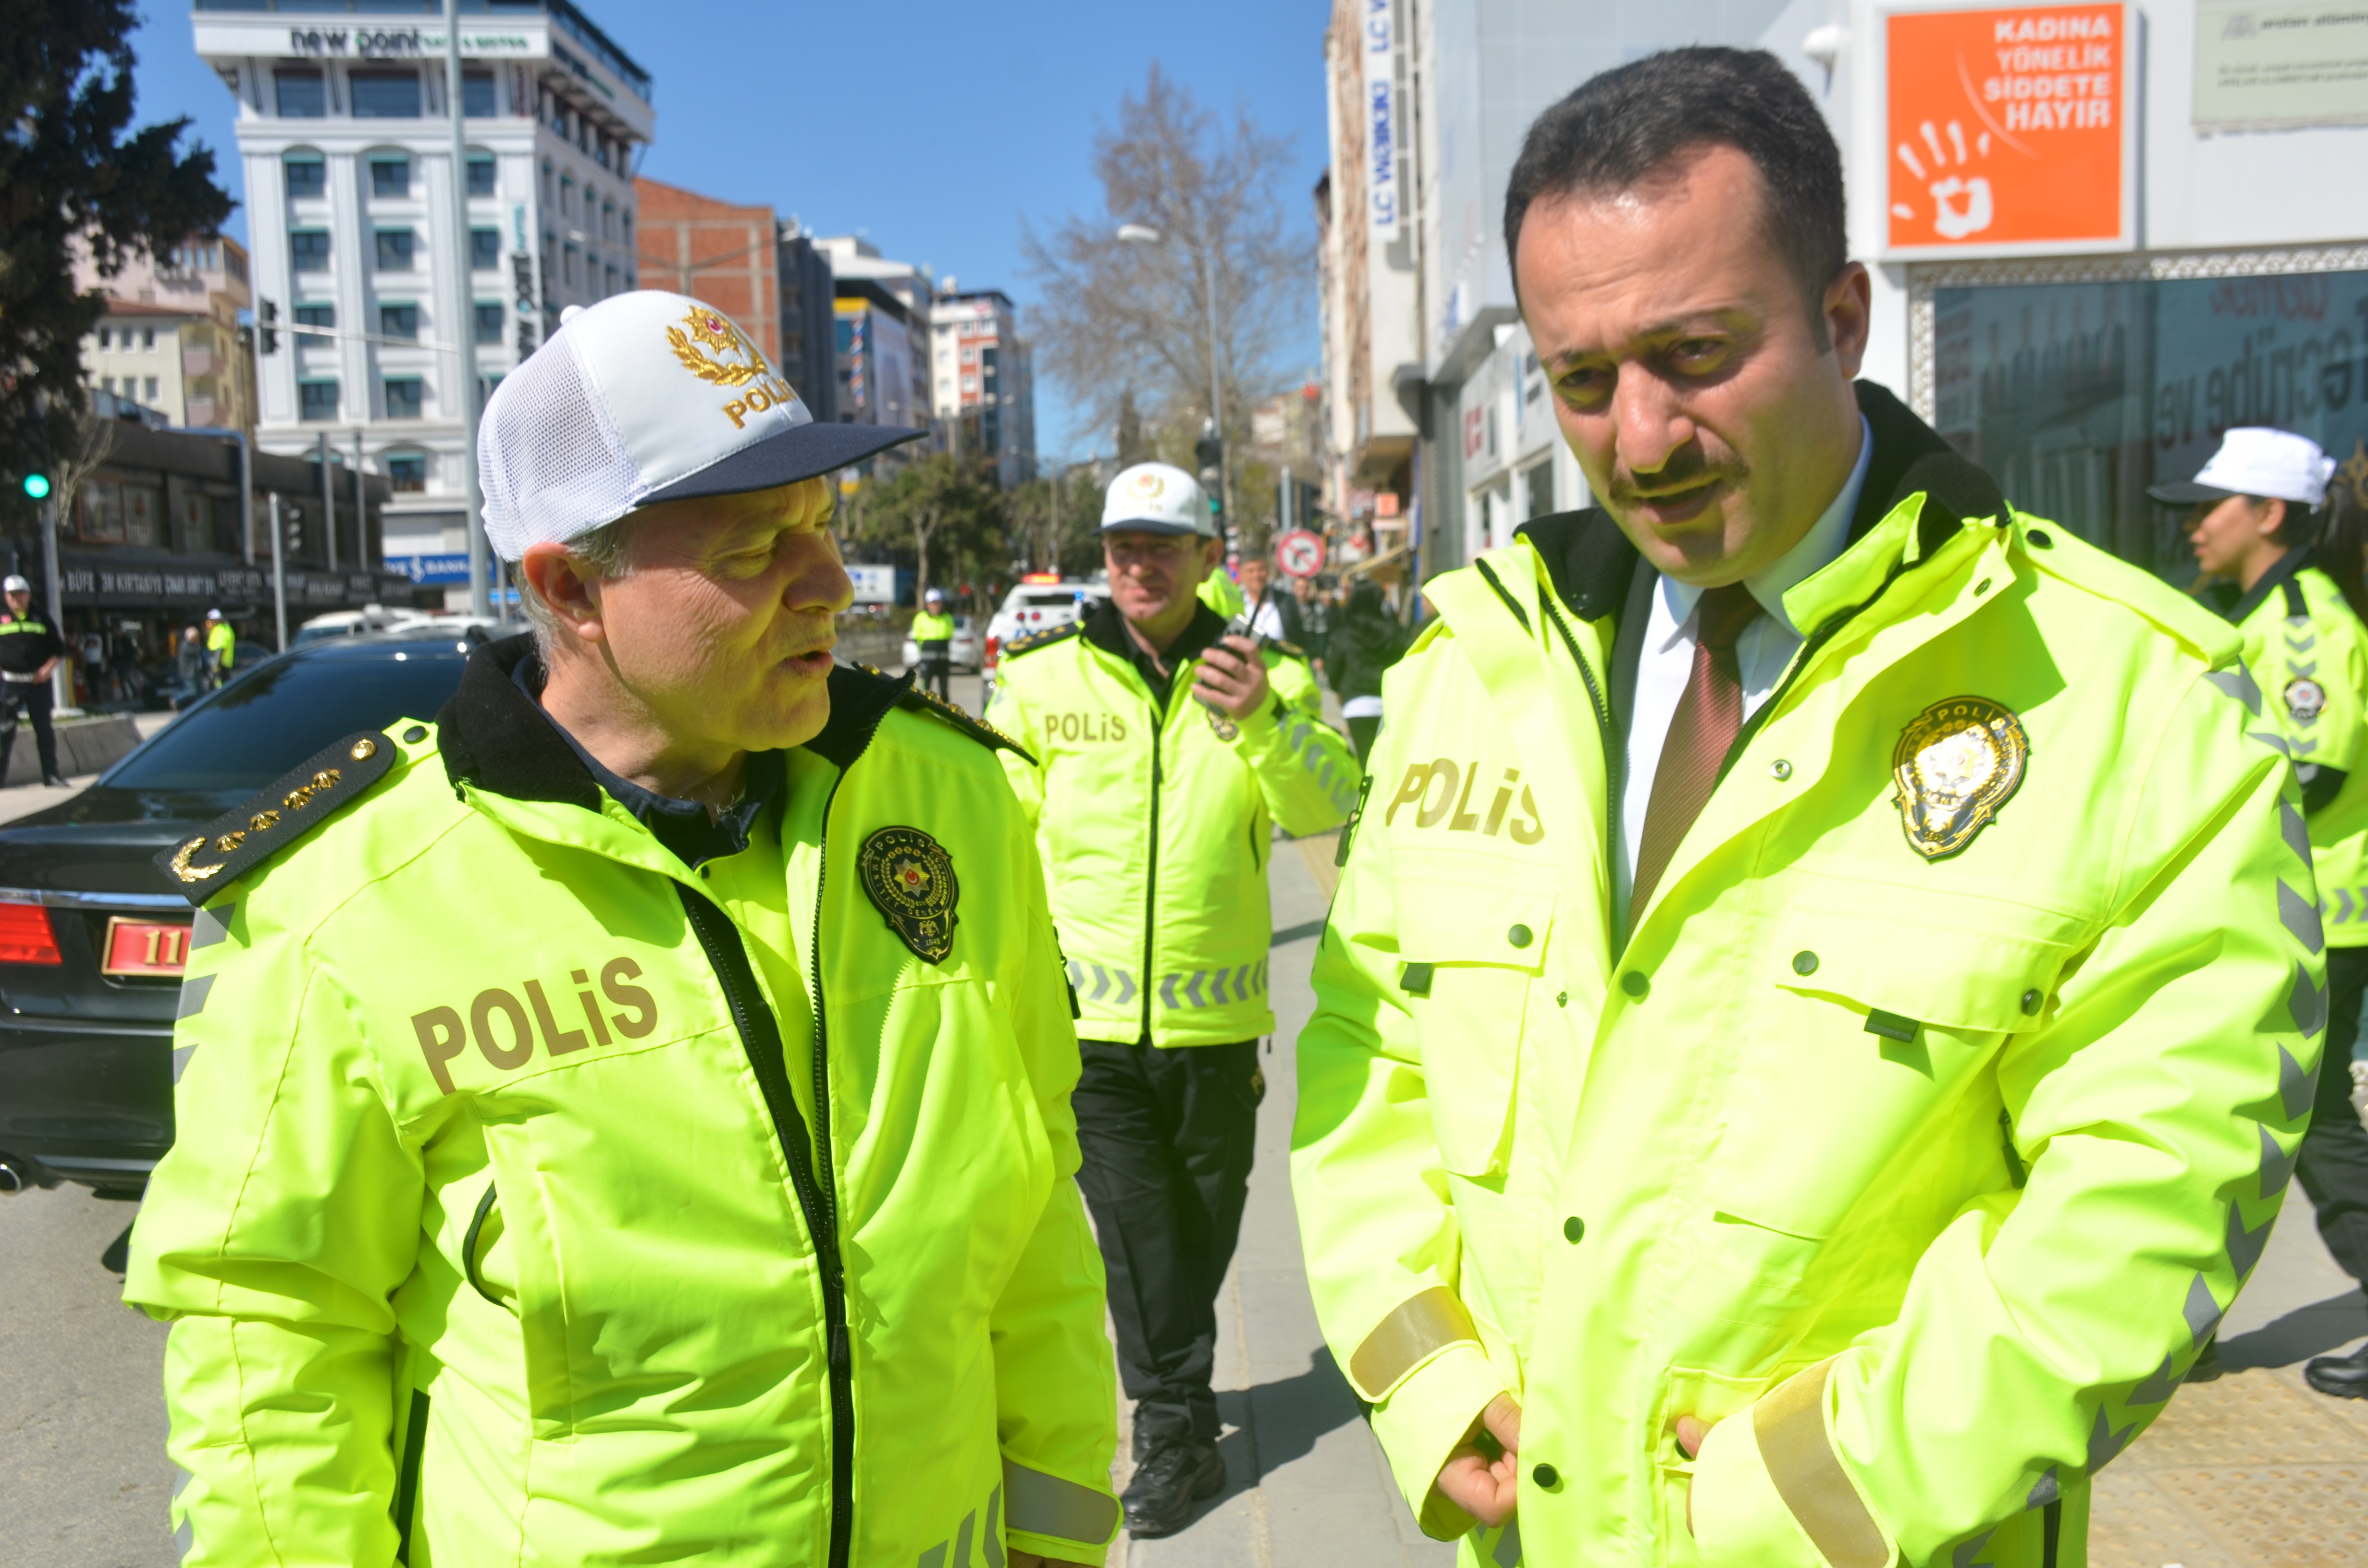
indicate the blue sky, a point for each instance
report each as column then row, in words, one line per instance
column 934, row 127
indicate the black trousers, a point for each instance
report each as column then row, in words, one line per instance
column 2334, row 1161
column 32, row 699
column 1167, row 1138
column 936, row 669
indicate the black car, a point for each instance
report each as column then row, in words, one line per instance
column 92, row 935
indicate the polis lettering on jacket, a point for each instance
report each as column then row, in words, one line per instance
column 1083, row 727
column 1441, row 794
column 504, row 1028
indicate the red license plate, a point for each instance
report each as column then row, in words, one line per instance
column 145, row 947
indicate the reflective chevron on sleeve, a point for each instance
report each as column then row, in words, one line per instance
column 1221, row 987
column 1037, row 1503
column 1093, row 983
column 2237, row 682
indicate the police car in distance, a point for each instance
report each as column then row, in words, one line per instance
column 93, row 939
column 1042, row 602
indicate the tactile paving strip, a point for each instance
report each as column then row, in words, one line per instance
column 2253, row 1470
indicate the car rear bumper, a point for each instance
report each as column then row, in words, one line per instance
column 86, row 1102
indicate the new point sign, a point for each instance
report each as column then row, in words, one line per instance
column 2010, row 131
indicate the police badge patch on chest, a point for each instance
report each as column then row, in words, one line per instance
column 909, row 878
column 1954, row 766
column 2305, row 699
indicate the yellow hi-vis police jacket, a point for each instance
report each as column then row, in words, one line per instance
column 2308, row 656
column 1926, row 1125
column 1155, row 824
column 539, row 1200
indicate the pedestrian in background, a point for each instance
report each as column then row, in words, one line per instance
column 29, row 651
column 2254, row 519
column 933, row 638
column 1271, row 614
column 189, row 666
column 222, row 648
column 1165, row 754
column 1821, row 1003
column 1367, row 642
column 1314, row 619
column 703, row 1198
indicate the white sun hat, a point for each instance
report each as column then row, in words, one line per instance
column 1155, row 498
column 646, row 396
column 2256, row 461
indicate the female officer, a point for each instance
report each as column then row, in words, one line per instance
column 2257, row 511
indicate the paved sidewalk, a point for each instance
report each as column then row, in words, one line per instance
column 1306, row 1485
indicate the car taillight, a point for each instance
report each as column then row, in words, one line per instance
column 24, row 935
column 993, row 649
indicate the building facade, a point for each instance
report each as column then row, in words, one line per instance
column 983, row 383
column 344, row 132
column 809, row 322
column 171, row 338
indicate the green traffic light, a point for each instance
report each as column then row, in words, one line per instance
column 37, row 485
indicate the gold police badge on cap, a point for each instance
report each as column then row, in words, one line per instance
column 1954, row 766
column 910, row 879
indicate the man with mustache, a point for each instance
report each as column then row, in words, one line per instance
column 627, row 1118
column 1821, row 1004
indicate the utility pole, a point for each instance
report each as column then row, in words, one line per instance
column 328, row 501
column 480, row 600
column 278, row 573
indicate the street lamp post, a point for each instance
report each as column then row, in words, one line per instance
column 480, row 602
column 1144, row 234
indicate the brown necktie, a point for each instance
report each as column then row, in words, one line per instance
column 1708, row 718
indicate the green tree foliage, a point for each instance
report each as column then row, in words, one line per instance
column 948, row 515
column 1055, row 523
column 71, row 172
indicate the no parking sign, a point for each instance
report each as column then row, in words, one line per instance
column 1300, row 553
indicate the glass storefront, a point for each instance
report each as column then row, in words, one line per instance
column 2076, row 396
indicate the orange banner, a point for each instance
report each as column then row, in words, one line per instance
column 2006, row 126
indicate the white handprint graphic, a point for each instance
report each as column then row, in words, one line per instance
column 1950, row 220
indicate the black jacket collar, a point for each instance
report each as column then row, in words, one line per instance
column 494, row 735
column 1106, row 630
column 1590, row 562
column 2276, row 577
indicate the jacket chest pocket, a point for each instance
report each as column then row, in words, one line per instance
column 1469, row 956
column 1862, row 1033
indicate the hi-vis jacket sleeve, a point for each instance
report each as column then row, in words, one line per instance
column 1056, row 1427
column 1305, row 770
column 1385, row 1253
column 1011, row 713
column 2158, row 1109
column 272, row 1234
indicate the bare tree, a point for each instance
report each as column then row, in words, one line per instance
column 1124, row 320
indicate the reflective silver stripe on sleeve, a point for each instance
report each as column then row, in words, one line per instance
column 184, row 1536
column 211, row 926
column 181, row 1054
column 1046, row 1505
column 2300, row 917
column 193, row 996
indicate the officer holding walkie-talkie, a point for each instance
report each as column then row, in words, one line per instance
column 1166, row 745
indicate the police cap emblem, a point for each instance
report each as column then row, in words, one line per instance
column 2305, row 699
column 910, row 879
column 1955, row 765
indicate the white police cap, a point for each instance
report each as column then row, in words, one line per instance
column 1158, row 498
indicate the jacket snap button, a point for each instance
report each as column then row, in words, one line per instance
column 2041, row 538
column 2031, row 1001
column 1804, row 962
column 1519, row 935
column 1573, row 1228
column 1545, row 1476
column 1634, row 983
column 1981, row 587
column 1562, row 998
column 414, row 735
column 1780, row 771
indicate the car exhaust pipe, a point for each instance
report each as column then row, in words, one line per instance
column 13, row 1177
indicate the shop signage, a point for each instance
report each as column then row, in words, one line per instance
column 1382, row 130
column 434, row 570
column 2266, row 65
column 2010, row 131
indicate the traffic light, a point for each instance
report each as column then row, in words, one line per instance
column 267, row 335
column 36, row 486
column 1209, row 448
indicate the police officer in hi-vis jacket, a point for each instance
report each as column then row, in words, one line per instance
column 1823, row 998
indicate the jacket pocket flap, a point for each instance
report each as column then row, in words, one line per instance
column 1468, row 923
column 1980, row 977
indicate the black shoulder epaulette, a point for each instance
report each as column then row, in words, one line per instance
column 294, row 805
column 1044, row 638
column 1293, row 649
column 913, row 700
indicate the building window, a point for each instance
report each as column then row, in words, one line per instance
column 390, row 176
column 394, row 247
column 477, row 95
column 399, row 321
column 546, row 183
column 316, row 315
column 489, row 322
column 403, row 397
column 568, row 265
column 612, row 281
column 567, row 196
column 629, row 231
column 148, row 339
column 484, row 249
column 385, row 95
column 301, row 94
column 306, row 175
column 1541, row 499
column 105, row 334
column 407, row 471
column 150, row 394
column 481, row 175
column 308, row 250
column 316, row 402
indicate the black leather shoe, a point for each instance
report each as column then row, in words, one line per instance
column 55, row 782
column 1178, row 1473
column 2345, row 1377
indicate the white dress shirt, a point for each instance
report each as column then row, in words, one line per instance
column 1666, row 662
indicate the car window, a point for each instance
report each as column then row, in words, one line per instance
column 1066, row 596
column 262, row 724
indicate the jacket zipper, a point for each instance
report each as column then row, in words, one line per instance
column 1151, row 872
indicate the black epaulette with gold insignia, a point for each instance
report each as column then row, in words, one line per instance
column 1293, row 649
column 294, row 805
column 1044, row 638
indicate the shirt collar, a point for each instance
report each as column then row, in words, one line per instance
column 1817, row 550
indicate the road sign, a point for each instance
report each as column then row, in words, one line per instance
column 1300, row 553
